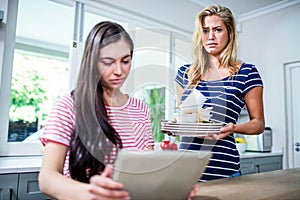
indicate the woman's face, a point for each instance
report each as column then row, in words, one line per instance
column 114, row 64
column 215, row 35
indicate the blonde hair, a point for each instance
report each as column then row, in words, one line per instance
column 228, row 55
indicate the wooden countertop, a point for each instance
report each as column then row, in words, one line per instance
column 280, row 184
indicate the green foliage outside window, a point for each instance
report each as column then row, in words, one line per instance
column 27, row 96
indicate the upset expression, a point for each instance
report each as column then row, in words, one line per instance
column 215, row 35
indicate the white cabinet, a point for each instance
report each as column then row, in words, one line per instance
column 261, row 164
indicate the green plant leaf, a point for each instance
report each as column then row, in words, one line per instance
column 156, row 104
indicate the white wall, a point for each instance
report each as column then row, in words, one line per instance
column 269, row 41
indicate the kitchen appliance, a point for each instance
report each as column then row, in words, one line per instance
column 260, row 143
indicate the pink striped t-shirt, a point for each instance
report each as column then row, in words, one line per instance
column 131, row 121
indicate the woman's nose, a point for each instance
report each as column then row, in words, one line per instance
column 211, row 35
column 118, row 68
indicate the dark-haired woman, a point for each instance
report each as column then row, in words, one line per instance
column 88, row 126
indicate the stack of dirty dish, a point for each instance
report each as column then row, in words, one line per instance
column 191, row 111
column 192, row 118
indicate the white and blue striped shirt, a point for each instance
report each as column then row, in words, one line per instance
column 226, row 96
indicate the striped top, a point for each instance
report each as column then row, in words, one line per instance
column 131, row 121
column 226, row 96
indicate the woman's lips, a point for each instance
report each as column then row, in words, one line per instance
column 212, row 44
column 117, row 80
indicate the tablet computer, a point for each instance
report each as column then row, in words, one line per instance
column 159, row 174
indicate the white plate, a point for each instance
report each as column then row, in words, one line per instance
column 191, row 129
column 192, row 133
column 176, row 124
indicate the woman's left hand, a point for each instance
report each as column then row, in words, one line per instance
column 193, row 192
column 226, row 130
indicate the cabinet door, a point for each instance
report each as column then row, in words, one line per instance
column 247, row 166
column 29, row 187
column 269, row 163
column 8, row 186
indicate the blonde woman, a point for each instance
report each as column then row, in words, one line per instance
column 228, row 86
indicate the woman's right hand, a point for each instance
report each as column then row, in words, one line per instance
column 105, row 188
column 168, row 132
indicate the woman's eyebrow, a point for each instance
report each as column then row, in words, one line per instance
column 126, row 56
column 106, row 58
column 110, row 58
column 206, row 27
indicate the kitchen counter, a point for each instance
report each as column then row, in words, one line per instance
column 280, row 184
column 259, row 154
column 33, row 163
column 20, row 164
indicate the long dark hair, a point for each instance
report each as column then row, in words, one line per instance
column 94, row 137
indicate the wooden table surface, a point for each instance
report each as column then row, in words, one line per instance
column 280, row 184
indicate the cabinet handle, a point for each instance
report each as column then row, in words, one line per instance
column 10, row 193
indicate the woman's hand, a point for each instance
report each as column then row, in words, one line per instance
column 168, row 132
column 193, row 192
column 224, row 131
column 104, row 188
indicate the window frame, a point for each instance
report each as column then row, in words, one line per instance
column 10, row 148
column 10, row 45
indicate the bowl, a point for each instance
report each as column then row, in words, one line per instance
column 241, row 147
column 186, row 117
column 205, row 111
column 204, row 118
column 204, row 114
column 189, row 109
column 194, row 114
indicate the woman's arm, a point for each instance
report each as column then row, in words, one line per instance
column 256, row 123
column 51, row 180
column 53, row 183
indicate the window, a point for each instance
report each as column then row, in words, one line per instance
column 183, row 50
column 151, row 57
column 154, row 96
column 158, row 54
column 39, row 71
column 38, row 80
column 41, row 61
